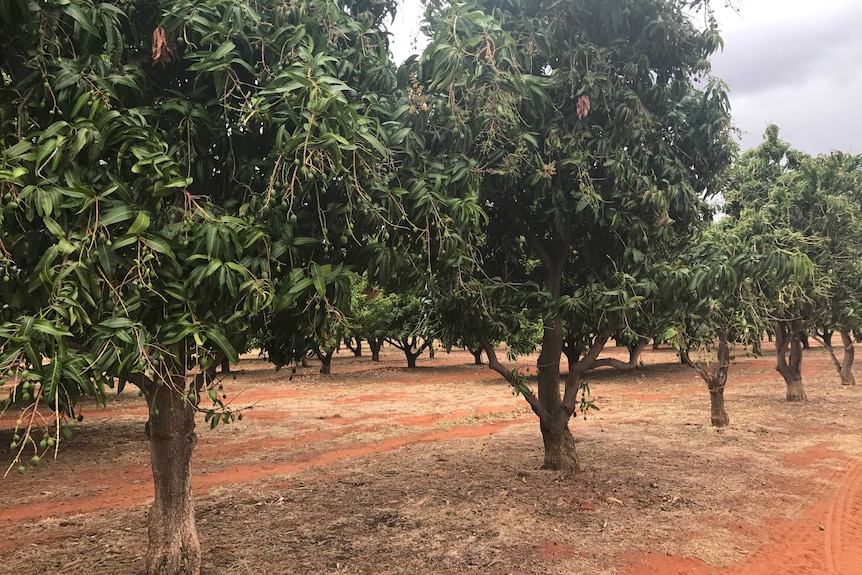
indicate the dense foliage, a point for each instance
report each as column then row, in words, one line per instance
column 595, row 145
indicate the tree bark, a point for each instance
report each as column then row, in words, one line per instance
column 477, row 356
column 325, row 361
column 685, row 358
column 375, row 343
column 717, row 383
column 174, row 548
column 356, row 349
column 718, row 415
column 715, row 376
column 225, row 365
column 789, row 354
column 431, row 350
column 409, row 345
column 756, row 347
column 560, row 452
column 633, row 362
column 846, row 372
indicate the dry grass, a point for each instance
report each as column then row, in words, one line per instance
column 435, row 472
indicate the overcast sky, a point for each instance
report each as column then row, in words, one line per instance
column 795, row 63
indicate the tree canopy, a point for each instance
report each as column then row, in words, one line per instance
column 170, row 172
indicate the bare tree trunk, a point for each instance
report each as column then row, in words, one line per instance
column 636, row 351
column 789, row 347
column 431, row 350
column 824, row 338
column 715, row 376
column 325, row 361
column 718, row 415
column 756, row 347
column 560, row 452
column 477, row 356
column 844, row 367
column 685, row 358
column 375, row 343
column 718, row 382
column 356, row 349
column 225, row 365
column 174, row 548
column 411, row 348
column 846, row 372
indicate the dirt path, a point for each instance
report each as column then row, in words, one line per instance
column 432, row 471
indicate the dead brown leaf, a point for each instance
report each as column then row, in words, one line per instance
column 163, row 51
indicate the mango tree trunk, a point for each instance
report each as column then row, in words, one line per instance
column 477, row 356
column 325, row 360
column 560, row 453
column 715, row 376
column 846, row 372
column 788, row 344
column 374, row 344
column 174, row 548
column 356, row 349
column 844, row 367
column 718, row 415
column 717, row 383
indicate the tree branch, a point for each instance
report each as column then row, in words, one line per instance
column 573, row 377
column 495, row 364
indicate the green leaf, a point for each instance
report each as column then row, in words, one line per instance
column 318, row 279
column 141, row 223
column 223, row 344
column 117, row 323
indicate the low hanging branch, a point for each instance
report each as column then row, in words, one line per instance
column 629, row 365
column 515, row 378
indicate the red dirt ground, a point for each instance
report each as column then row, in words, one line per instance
column 378, row 469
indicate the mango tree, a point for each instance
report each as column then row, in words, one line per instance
column 721, row 289
column 772, row 203
column 168, row 172
column 591, row 140
column 834, row 185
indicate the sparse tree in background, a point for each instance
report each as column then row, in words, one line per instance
column 721, row 291
column 777, row 198
column 832, row 186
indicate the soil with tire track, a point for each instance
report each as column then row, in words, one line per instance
column 383, row 470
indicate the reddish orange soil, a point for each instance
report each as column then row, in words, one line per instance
column 378, row 469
